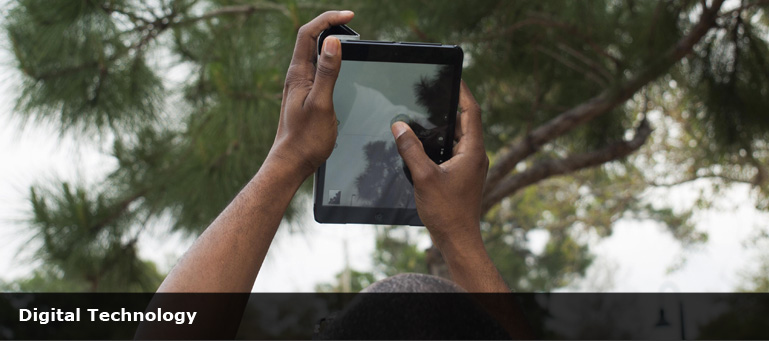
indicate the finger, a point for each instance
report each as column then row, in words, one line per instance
column 306, row 39
column 412, row 152
column 471, row 129
column 458, row 126
column 470, row 116
column 330, row 60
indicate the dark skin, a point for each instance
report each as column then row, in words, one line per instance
column 448, row 197
column 228, row 255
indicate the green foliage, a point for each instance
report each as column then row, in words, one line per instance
column 185, row 148
column 80, row 74
column 85, row 70
column 88, row 243
column 396, row 252
column 756, row 279
column 731, row 78
column 357, row 281
column 758, row 282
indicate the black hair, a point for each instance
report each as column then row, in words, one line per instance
column 412, row 306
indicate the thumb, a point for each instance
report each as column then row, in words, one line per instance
column 412, row 152
column 326, row 72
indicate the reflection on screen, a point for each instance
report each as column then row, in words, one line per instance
column 365, row 169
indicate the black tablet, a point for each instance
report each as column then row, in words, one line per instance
column 365, row 181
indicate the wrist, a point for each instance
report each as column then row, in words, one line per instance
column 289, row 169
column 292, row 164
column 461, row 245
column 469, row 264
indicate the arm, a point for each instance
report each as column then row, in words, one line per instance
column 228, row 255
column 448, row 198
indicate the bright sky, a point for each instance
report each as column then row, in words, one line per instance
column 636, row 257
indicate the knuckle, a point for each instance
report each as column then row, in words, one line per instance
column 294, row 77
column 472, row 109
column 423, row 175
column 291, row 75
column 481, row 160
column 320, row 105
column 419, row 177
column 325, row 70
column 304, row 30
column 290, row 81
column 475, row 107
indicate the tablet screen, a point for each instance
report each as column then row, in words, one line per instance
column 365, row 169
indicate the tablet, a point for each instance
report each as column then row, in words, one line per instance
column 365, row 180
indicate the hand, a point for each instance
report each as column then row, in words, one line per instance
column 307, row 129
column 448, row 196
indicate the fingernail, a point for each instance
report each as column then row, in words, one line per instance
column 398, row 128
column 345, row 12
column 331, row 46
column 400, row 118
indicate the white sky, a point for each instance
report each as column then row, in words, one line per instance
column 635, row 258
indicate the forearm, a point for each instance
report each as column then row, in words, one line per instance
column 230, row 252
column 470, row 266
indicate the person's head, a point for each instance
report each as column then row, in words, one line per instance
column 413, row 283
column 412, row 306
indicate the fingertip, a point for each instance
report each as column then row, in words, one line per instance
column 331, row 46
column 465, row 95
column 399, row 128
column 344, row 17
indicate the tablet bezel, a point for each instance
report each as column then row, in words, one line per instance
column 394, row 52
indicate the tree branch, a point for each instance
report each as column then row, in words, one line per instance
column 238, row 10
column 574, row 30
column 133, row 17
column 155, row 27
column 120, row 208
column 596, row 67
column 552, row 167
column 588, row 73
column 596, row 106
column 250, row 9
column 544, row 21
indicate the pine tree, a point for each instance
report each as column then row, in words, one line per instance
column 580, row 102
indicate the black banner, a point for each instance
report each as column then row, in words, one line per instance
column 383, row 316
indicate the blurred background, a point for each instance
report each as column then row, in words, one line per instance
column 627, row 139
